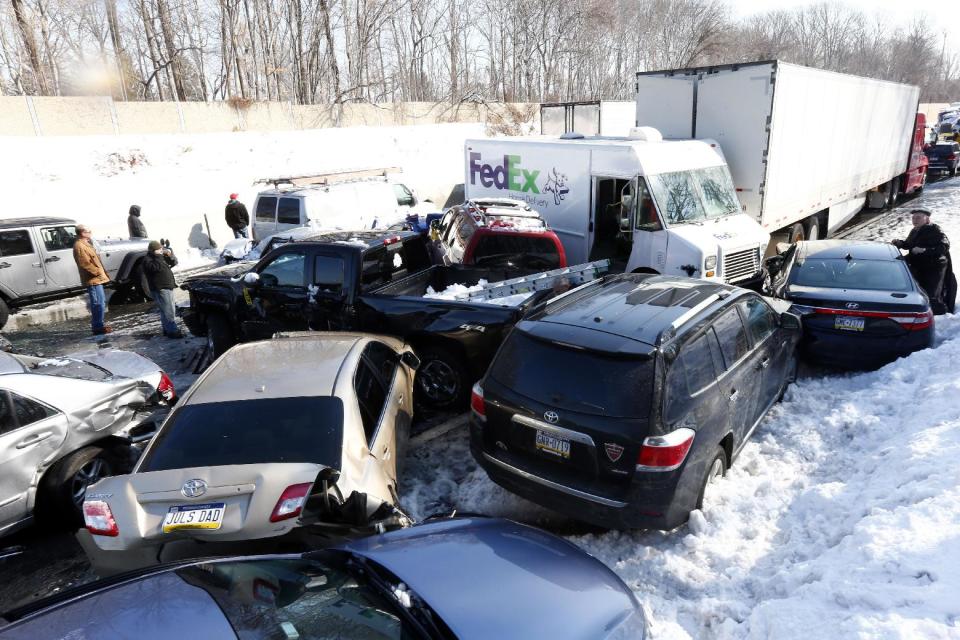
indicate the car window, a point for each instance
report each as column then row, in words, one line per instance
column 8, row 421
column 15, row 242
column 691, row 372
column 537, row 251
column 263, row 431
column 446, row 224
column 371, row 396
column 647, row 218
column 404, row 197
column 29, row 411
column 732, row 336
column 288, row 211
column 383, row 359
column 328, row 274
column 380, row 265
column 59, row 238
column 838, row 273
column 761, row 320
column 465, row 230
column 286, row 270
column 266, row 209
column 678, row 197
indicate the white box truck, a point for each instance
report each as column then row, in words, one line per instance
column 646, row 204
column 806, row 147
column 591, row 118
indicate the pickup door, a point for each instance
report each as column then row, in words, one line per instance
column 281, row 298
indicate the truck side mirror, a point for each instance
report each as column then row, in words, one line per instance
column 410, row 359
column 790, row 321
column 628, row 208
column 251, row 278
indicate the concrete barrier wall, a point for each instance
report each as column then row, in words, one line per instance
column 48, row 116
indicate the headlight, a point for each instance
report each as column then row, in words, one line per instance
column 710, row 263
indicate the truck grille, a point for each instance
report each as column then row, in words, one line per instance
column 740, row 265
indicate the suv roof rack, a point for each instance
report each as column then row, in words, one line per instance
column 329, row 178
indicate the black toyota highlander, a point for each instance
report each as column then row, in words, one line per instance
column 620, row 402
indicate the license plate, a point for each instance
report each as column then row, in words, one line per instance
column 848, row 323
column 194, row 516
column 553, row 445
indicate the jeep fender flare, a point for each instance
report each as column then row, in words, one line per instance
column 126, row 267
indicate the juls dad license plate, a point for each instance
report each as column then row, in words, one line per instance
column 194, row 516
column 553, row 445
column 848, row 323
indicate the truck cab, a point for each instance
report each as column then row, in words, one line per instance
column 648, row 205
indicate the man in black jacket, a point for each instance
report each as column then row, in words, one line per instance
column 930, row 262
column 134, row 225
column 237, row 217
column 156, row 269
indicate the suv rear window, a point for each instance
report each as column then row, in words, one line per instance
column 530, row 250
column 269, row 430
column 574, row 379
column 266, row 209
column 838, row 273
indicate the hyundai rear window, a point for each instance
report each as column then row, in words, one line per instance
column 575, row 379
column 269, row 430
column 494, row 249
column 838, row 273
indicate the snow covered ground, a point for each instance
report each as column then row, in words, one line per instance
column 840, row 519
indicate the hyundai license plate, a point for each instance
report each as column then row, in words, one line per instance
column 194, row 516
column 848, row 323
column 553, row 445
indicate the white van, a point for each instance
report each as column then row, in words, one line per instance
column 648, row 205
column 355, row 204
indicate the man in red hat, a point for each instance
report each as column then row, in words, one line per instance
column 237, row 217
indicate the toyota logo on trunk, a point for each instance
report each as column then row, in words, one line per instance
column 193, row 488
column 551, row 416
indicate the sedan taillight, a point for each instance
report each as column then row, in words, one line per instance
column 165, row 389
column 291, row 502
column 477, row 405
column 666, row 452
column 908, row 320
column 98, row 518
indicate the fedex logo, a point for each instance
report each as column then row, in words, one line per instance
column 508, row 175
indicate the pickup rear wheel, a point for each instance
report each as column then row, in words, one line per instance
column 219, row 335
column 442, row 380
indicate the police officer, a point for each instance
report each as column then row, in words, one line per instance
column 929, row 260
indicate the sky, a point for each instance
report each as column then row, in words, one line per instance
column 896, row 10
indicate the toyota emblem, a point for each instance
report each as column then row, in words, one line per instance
column 551, row 416
column 193, row 488
column 852, row 305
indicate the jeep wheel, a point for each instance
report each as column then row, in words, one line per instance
column 219, row 336
column 442, row 381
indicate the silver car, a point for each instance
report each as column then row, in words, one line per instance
column 67, row 422
column 306, row 428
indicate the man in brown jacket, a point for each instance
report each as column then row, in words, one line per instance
column 93, row 276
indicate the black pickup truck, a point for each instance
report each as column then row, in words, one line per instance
column 370, row 281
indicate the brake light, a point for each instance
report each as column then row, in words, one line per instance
column 98, row 518
column 477, row 404
column 165, row 388
column 291, row 502
column 392, row 240
column 665, row 453
column 952, row 156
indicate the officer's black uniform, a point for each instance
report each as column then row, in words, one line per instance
column 932, row 267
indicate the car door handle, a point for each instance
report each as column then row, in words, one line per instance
column 34, row 439
column 733, row 395
column 5, row 265
column 763, row 364
column 53, row 259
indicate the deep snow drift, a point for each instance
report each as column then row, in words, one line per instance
column 841, row 517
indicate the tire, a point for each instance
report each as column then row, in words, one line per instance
column 4, row 313
column 797, row 233
column 953, row 172
column 715, row 469
column 60, row 502
column 813, row 229
column 219, row 335
column 442, row 380
column 893, row 191
column 140, row 285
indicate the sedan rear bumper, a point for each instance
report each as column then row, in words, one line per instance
column 860, row 352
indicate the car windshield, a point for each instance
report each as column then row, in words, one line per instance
column 590, row 382
column 269, row 430
column 695, row 196
column 839, row 273
column 506, row 247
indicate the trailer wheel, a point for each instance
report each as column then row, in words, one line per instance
column 813, row 229
column 797, row 234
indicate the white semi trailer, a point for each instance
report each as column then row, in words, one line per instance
column 805, row 147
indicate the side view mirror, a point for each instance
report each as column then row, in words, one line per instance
column 790, row 321
column 774, row 265
column 251, row 278
column 410, row 359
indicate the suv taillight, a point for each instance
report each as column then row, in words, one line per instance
column 952, row 156
column 165, row 388
column 291, row 502
column 476, row 402
column 665, row 453
column 98, row 518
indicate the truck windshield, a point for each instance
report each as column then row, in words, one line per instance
column 695, row 196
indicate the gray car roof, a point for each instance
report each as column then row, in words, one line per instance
column 283, row 368
column 10, row 223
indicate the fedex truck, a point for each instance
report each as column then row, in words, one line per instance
column 807, row 148
column 646, row 204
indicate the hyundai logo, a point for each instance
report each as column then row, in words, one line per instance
column 551, row 416
column 852, row 305
column 193, row 488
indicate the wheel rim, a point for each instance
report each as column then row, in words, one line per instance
column 438, row 381
column 713, row 477
column 88, row 474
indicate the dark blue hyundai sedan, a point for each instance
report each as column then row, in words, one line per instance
column 451, row 578
column 860, row 305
